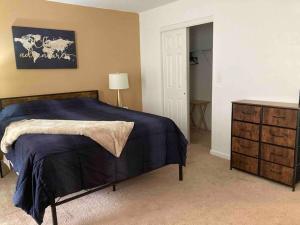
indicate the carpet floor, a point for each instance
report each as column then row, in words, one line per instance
column 210, row 194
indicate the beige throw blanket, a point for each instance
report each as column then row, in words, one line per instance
column 112, row 135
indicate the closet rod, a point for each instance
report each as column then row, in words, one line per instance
column 201, row 50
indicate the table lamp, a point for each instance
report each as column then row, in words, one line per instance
column 118, row 81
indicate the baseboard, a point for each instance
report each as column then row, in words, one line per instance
column 219, row 154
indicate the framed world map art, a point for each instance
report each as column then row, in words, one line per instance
column 37, row 48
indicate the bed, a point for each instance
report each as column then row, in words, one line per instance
column 53, row 166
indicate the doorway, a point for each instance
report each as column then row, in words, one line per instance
column 181, row 52
column 200, row 85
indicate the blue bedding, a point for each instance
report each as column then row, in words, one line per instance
column 52, row 166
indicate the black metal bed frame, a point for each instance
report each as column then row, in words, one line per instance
column 113, row 184
column 92, row 94
column 90, row 191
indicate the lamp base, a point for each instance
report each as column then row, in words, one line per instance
column 119, row 101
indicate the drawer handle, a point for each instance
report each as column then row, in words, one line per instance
column 276, row 154
column 279, row 117
column 245, row 146
column 275, row 171
column 241, row 162
column 245, row 131
column 276, row 135
column 248, row 112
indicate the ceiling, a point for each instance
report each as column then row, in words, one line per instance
column 122, row 5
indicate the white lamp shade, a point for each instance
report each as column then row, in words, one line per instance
column 118, row 81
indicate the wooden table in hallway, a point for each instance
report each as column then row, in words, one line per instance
column 202, row 105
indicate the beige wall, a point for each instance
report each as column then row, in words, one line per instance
column 107, row 41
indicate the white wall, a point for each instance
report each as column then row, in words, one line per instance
column 256, row 54
column 201, row 38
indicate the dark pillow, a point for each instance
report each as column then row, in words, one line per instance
column 40, row 106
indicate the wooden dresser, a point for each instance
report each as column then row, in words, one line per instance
column 264, row 140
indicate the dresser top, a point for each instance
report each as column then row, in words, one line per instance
column 269, row 103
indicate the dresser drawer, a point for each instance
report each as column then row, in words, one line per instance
column 244, row 146
column 245, row 130
column 280, row 117
column 280, row 155
column 276, row 172
column 245, row 163
column 279, row 136
column 246, row 113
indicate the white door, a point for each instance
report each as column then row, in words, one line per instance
column 175, row 77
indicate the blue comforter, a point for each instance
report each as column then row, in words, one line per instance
column 52, row 166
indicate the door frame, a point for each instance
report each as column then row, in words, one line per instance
column 187, row 25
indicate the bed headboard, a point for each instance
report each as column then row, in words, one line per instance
column 9, row 101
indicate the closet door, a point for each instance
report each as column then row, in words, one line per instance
column 175, row 77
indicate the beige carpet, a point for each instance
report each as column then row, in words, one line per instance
column 210, row 194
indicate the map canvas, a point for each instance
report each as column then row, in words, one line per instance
column 37, row 48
